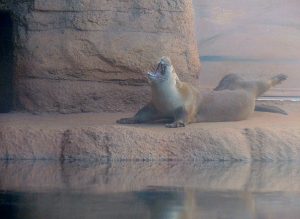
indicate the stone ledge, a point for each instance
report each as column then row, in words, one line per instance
column 91, row 136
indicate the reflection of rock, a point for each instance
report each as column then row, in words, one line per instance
column 157, row 203
column 280, row 176
column 160, row 189
column 135, row 176
column 65, row 205
column 277, row 205
column 30, row 175
column 92, row 48
column 162, row 203
column 234, row 205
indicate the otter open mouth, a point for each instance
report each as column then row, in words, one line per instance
column 158, row 74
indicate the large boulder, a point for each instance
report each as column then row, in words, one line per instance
column 100, row 46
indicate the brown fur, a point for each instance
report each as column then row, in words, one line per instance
column 181, row 103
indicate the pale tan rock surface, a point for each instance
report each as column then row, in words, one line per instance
column 92, row 48
column 92, row 136
column 81, row 96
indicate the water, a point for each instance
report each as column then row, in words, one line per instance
column 166, row 190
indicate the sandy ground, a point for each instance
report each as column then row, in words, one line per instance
column 264, row 136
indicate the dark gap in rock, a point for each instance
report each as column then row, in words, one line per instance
column 6, row 62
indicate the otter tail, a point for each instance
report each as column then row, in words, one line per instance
column 270, row 109
column 278, row 79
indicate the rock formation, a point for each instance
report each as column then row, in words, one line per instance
column 90, row 55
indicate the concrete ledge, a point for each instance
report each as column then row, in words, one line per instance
column 91, row 136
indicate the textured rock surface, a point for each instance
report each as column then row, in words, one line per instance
column 97, row 41
column 264, row 136
column 114, row 177
column 40, row 95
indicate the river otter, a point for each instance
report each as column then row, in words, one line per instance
column 181, row 103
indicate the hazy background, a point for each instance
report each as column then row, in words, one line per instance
column 253, row 38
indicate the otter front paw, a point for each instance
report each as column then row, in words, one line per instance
column 176, row 124
column 126, row 121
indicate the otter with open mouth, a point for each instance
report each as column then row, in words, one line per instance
column 181, row 103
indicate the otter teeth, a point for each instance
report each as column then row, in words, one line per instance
column 151, row 74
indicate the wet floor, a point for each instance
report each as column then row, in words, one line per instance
column 165, row 190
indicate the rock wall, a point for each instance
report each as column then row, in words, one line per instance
column 90, row 55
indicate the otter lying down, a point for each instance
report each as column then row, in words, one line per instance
column 181, row 103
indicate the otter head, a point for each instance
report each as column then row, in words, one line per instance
column 164, row 73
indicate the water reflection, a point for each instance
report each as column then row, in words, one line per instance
column 149, row 190
column 155, row 203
